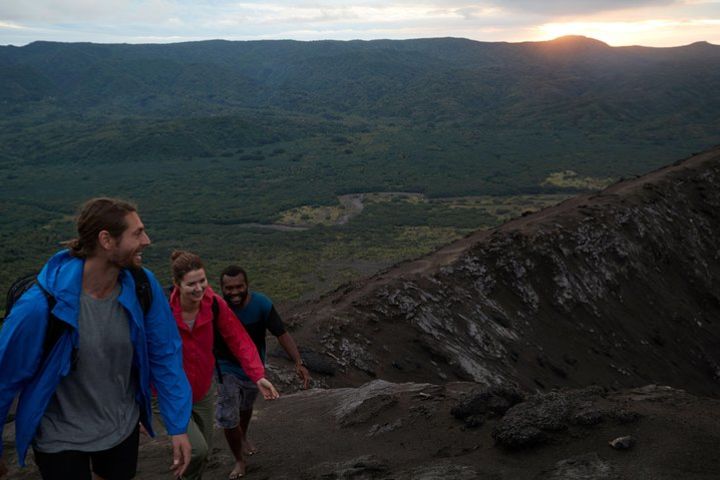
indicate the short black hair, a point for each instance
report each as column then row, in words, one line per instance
column 233, row 271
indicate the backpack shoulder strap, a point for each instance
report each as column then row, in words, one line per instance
column 217, row 338
column 215, row 310
column 55, row 327
column 143, row 290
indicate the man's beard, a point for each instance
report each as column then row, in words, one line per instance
column 243, row 296
column 238, row 299
column 126, row 259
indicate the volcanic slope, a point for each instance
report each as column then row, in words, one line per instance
column 617, row 289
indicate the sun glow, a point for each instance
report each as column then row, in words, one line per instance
column 613, row 33
column 633, row 33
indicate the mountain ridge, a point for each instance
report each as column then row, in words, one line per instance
column 498, row 306
column 579, row 39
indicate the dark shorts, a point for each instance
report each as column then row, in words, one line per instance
column 116, row 463
column 233, row 396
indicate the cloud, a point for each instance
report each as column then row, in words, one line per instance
column 11, row 26
column 361, row 14
column 81, row 11
column 574, row 7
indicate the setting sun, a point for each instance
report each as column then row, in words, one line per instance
column 664, row 32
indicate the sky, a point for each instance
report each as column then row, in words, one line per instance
column 658, row 23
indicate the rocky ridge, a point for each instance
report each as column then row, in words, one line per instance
column 616, row 289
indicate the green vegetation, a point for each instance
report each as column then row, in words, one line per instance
column 217, row 141
column 571, row 179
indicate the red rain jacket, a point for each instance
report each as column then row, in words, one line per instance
column 197, row 344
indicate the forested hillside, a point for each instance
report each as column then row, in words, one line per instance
column 213, row 138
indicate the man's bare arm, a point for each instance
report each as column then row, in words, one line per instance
column 288, row 344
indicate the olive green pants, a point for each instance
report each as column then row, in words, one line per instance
column 200, row 431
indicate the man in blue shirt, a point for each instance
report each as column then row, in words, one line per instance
column 82, row 399
column 236, row 393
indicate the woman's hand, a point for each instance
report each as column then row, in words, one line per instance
column 267, row 389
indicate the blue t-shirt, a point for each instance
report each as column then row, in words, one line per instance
column 258, row 316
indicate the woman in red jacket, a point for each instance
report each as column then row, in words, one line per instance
column 195, row 308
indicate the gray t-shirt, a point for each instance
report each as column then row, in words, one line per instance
column 94, row 407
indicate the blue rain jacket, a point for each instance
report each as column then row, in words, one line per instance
column 157, row 358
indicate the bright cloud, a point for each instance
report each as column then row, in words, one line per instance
column 10, row 26
column 361, row 14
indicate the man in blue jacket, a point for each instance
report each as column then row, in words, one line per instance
column 81, row 402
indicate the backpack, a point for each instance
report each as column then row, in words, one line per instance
column 55, row 326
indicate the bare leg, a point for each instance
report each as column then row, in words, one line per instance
column 234, row 437
column 248, row 447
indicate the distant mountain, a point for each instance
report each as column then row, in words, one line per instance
column 616, row 289
column 426, row 80
column 466, row 99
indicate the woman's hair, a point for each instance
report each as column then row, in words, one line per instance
column 96, row 215
column 182, row 262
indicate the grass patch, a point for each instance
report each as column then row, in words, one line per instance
column 571, row 179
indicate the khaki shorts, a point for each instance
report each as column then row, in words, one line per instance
column 233, row 396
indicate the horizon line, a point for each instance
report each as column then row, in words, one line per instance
column 178, row 41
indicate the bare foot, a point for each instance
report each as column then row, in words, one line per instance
column 249, row 448
column 238, row 471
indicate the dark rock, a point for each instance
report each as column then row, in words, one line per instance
column 583, row 467
column 492, row 402
column 314, row 361
column 366, row 409
column 366, row 467
column 560, row 372
column 474, row 421
column 364, row 404
column 378, row 429
column 318, row 363
column 588, row 417
column 623, row 416
column 536, row 420
column 444, row 472
column 516, row 436
column 622, row 443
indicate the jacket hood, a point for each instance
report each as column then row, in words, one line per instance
column 62, row 278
